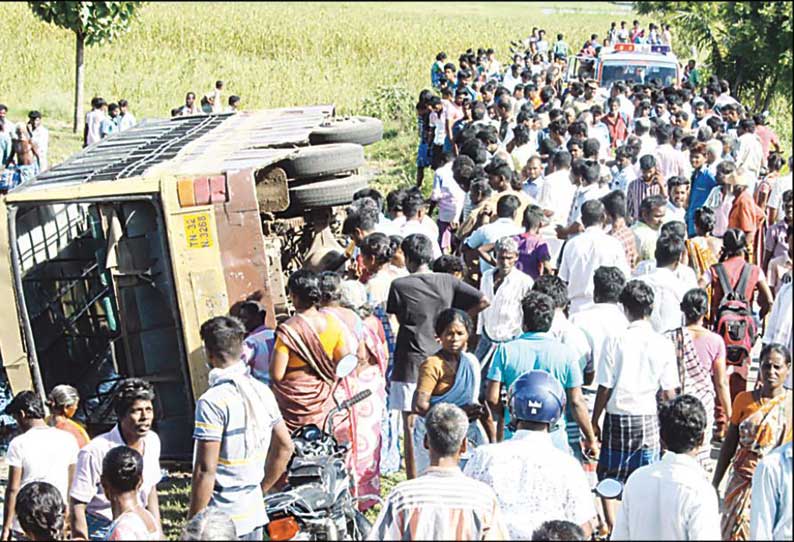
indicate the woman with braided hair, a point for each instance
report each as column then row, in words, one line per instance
column 40, row 511
column 122, row 476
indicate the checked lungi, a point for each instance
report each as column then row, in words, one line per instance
column 628, row 443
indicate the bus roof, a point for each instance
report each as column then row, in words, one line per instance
column 188, row 145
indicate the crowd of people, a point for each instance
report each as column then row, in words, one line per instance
column 578, row 300
column 23, row 149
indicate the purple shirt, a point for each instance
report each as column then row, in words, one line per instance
column 257, row 351
column 532, row 252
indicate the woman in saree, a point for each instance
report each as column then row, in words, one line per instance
column 308, row 347
column 371, row 376
column 758, row 425
column 451, row 376
column 347, row 426
column 703, row 249
column 377, row 254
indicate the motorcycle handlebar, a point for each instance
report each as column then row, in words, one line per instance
column 357, row 398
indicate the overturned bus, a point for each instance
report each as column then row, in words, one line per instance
column 110, row 261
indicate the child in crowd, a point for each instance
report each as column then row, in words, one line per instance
column 534, row 258
column 122, row 476
column 259, row 340
column 398, row 260
column 40, row 511
column 424, row 129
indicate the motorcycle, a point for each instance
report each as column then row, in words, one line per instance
column 318, row 503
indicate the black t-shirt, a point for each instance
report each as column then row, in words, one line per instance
column 548, row 147
column 416, row 301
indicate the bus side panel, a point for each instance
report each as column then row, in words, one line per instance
column 243, row 249
column 12, row 351
column 198, row 274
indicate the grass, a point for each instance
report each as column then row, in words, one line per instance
column 367, row 58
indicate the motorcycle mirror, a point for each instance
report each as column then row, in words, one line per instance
column 609, row 488
column 346, row 365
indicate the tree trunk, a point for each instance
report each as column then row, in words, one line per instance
column 770, row 91
column 79, row 75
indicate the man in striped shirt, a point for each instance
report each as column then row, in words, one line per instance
column 242, row 443
column 442, row 504
column 649, row 183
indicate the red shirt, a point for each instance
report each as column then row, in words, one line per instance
column 617, row 129
column 745, row 214
column 767, row 137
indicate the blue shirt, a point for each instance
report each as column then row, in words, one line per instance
column 491, row 233
column 108, row 126
column 702, row 183
column 258, row 351
column 537, row 351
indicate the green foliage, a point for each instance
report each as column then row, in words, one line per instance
column 748, row 43
column 389, row 102
column 97, row 22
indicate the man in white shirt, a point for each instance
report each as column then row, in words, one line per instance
column 668, row 288
column 91, row 515
column 556, row 194
column 125, row 119
column 670, row 162
column 93, row 120
column 40, row 136
column 778, row 327
column 602, row 320
column 633, row 367
column 672, row 499
column 642, row 129
column 414, row 210
column 771, row 504
column 40, row 454
column 556, row 198
column 505, row 287
column 588, row 251
column 533, row 171
column 750, row 156
column 782, row 185
column 770, row 508
column 533, row 480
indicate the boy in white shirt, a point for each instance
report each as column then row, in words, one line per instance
column 450, row 197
